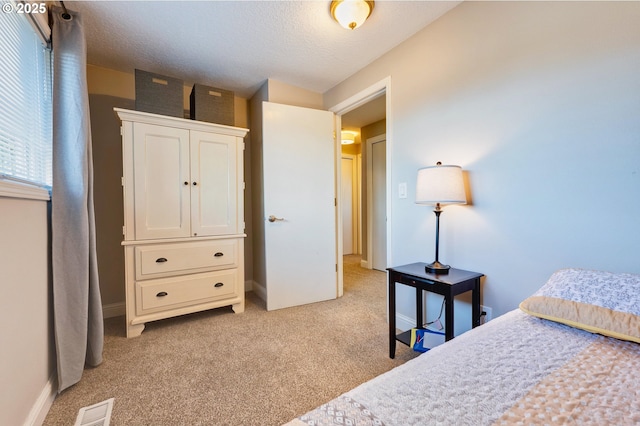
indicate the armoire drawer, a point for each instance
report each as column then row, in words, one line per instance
column 159, row 260
column 173, row 293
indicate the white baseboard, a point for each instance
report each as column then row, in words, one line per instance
column 113, row 310
column 248, row 285
column 404, row 322
column 364, row 263
column 259, row 290
column 43, row 404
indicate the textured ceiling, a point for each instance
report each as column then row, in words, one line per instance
column 237, row 45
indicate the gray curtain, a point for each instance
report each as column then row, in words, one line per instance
column 77, row 307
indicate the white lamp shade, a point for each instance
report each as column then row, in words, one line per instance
column 440, row 185
column 351, row 13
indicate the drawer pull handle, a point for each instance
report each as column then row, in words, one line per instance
column 219, row 254
column 161, row 260
column 162, row 294
column 218, row 284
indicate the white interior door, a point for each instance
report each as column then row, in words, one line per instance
column 348, row 167
column 299, row 192
column 379, row 204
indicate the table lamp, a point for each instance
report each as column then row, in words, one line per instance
column 439, row 186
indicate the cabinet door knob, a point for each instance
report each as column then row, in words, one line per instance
column 161, row 260
column 219, row 254
column 195, row 183
column 218, row 284
column 162, row 294
column 186, row 183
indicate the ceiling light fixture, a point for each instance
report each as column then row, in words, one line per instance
column 351, row 14
column 347, row 137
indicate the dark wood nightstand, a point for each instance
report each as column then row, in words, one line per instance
column 449, row 285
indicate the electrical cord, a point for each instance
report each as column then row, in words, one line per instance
column 439, row 316
column 437, row 320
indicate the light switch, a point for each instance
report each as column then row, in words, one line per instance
column 402, row 190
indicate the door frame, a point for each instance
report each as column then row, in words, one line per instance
column 369, row 169
column 377, row 89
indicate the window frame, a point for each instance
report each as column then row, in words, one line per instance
column 12, row 187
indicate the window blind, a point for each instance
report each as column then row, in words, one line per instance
column 25, row 104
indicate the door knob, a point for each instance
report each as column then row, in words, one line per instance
column 272, row 218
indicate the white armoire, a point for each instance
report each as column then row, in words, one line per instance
column 183, row 217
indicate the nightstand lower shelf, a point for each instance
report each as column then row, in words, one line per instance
column 431, row 338
column 404, row 337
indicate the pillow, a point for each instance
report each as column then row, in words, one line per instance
column 600, row 302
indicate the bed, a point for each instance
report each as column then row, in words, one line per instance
column 569, row 355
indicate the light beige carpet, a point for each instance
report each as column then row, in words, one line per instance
column 254, row 368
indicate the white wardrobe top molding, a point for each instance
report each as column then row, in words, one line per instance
column 181, row 123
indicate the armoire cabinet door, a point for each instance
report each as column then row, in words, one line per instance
column 215, row 192
column 162, row 184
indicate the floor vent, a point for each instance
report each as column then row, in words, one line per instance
column 95, row 415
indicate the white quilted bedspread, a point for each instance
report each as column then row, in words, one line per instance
column 495, row 374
